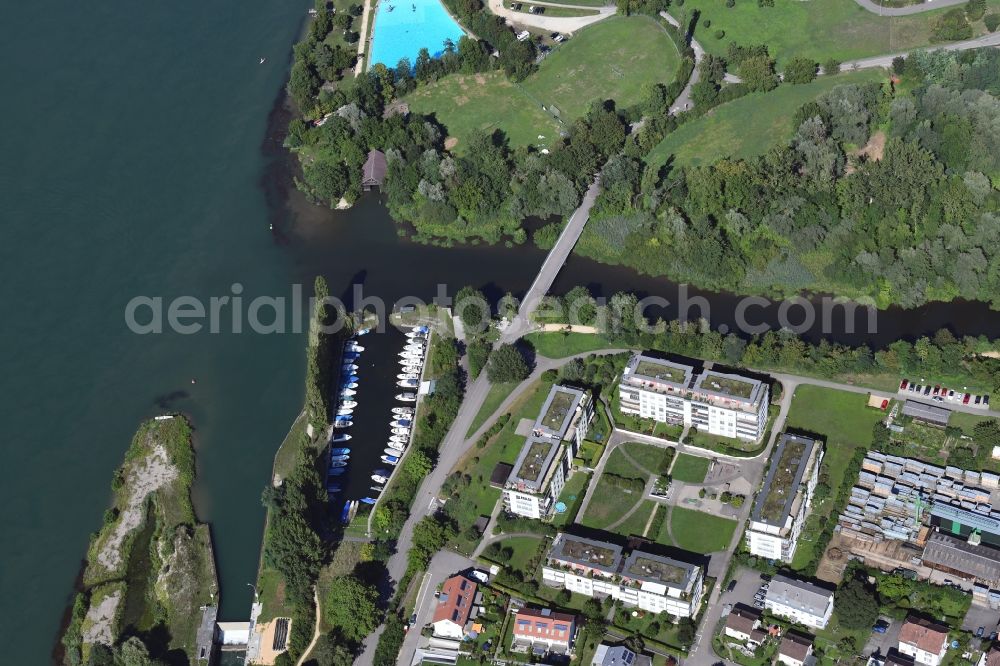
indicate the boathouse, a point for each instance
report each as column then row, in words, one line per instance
column 373, row 172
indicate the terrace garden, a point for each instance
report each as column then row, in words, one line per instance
column 559, row 409
column 728, row 385
column 780, row 488
column 660, row 371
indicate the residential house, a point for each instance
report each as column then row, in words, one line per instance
column 718, row 403
column 990, row 658
column 924, row 640
column 783, row 502
column 799, row 601
column 619, row 655
column 454, row 607
column 795, row 649
column 541, row 469
column 743, row 624
column 541, row 631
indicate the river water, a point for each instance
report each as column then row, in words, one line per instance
column 139, row 158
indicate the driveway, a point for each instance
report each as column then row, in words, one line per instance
column 881, row 643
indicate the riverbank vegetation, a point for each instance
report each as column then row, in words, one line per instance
column 150, row 568
column 882, row 197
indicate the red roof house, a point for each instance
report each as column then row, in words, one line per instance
column 542, row 630
column 454, row 606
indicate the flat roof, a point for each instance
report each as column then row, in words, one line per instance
column 532, row 465
column 726, row 385
column 557, row 412
column 660, row 370
column 781, row 485
column 970, row 519
column 658, row 569
column 586, row 552
column 926, row 412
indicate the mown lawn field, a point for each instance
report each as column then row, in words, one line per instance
column 561, row 345
column 838, row 29
column 614, row 59
column 747, row 126
column 690, row 469
column 647, row 455
column 700, row 532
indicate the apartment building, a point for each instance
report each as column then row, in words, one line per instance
column 799, row 601
column 924, row 640
column 718, row 403
column 540, row 472
column 644, row 580
column 543, row 630
column 783, row 503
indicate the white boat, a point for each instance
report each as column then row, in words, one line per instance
column 411, row 368
column 353, row 347
column 349, row 386
column 377, row 489
column 343, row 424
column 410, row 354
column 408, row 383
column 407, row 375
column 345, row 412
column 349, row 367
column 347, row 393
column 418, row 329
column 415, row 349
column 378, row 478
column 406, row 397
column 340, row 438
column 400, row 431
column 401, row 423
column 391, row 451
column 390, row 460
column 402, row 410
column 338, row 463
column 402, row 440
column 348, row 404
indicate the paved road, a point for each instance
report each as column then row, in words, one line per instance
column 443, row 565
column 567, row 24
column 909, row 9
column 552, row 265
column 992, row 39
column 683, row 100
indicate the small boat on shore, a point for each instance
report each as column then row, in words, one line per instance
column 343, row 424
column 406, row 397
column 378, row 478
column 340, row 438
column 390, row 460
column 339, row 452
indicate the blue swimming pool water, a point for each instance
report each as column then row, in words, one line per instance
column 403, row 27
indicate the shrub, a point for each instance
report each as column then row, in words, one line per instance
column 952, row 26
column 507, row 364
column 831, row 66
column 707, row 23
column 800, row 70
column 992, row 21
column 730, row 3
column 719, row 34
column 975, row 9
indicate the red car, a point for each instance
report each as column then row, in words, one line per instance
column 937, row 389
column 902, row 385
column 965, row 400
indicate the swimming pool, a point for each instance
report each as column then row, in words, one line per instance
column 403, row 27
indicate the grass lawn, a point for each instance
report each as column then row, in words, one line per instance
column 830, row 29
column 690, row 469
column 966, row 421
column 700, row 532
column 747, row 126
column 647, row 455
column 561, row 345
column 613, row 59
column 525, row 549
column 620, row 465
column 498, row 393
column 572, row 497
column 608, row 505
column 636, row 523
column 464, row 103
column 846, row 422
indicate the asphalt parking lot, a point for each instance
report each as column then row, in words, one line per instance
column 981, row 616
column 747, row 584
column 881, row 643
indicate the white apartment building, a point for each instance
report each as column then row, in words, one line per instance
column 540, row 472
column 924, row 640
column 799, row 601
column 718, row 403
column 643, row 580
column 783, row 502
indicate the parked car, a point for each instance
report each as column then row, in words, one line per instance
column 413, row 619
column 758, row 604
column 902, row 385
column 951, row 393
column 986, row 399
column 927, row 390
column 879, row 628
column 980, row 631
column 765, row 576
column 559, row 37
column 979, row 399
column 731, row 586
column 965, row 400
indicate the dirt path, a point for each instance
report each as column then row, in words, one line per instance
column 312, row 643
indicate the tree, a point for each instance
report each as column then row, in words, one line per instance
column 352, row 607
column 507, row 364
column 992, row 21
column 800, row 70
column 758, row 74
column 429, row 536
column 472, row 309
column 330, row 651
column 975, row 9
column 831, row 66
column 479, row 354
column 856, row 605
column 581, row 308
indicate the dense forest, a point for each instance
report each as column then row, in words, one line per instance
column 912, row 221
